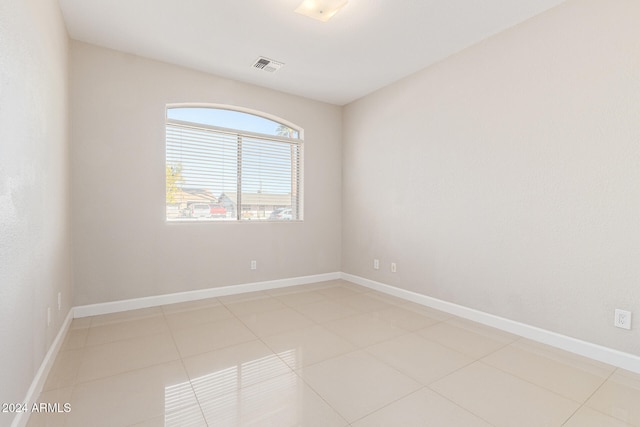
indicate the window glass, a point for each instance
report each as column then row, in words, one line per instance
column 226, row 165
column 232, row 119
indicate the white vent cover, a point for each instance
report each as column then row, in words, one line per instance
column 267, row 64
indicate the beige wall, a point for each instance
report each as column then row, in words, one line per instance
column 34, row 189
column 507, row 177
column 122, row 245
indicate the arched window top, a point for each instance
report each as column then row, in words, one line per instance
column 232, row 118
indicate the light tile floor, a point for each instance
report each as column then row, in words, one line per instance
column 328, row 354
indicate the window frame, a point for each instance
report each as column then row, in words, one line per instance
column 240, row 133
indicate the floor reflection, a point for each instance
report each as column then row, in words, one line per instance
column 245, row 394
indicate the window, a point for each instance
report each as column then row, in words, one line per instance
column 230, row 165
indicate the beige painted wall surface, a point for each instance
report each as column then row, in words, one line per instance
column 122, row 245
column 34, row 189
column 507, row 177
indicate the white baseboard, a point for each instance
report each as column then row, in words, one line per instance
column 153, row 301
column 594, row 351
column 613, row 357
column 22, row 418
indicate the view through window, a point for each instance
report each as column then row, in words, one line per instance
column 229, row 165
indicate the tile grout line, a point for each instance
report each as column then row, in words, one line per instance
column 76, row 382
column 422, row 387
column 457, row 404
column 583, row 405
column 349, row 423
column 456, row 350
column 528, row 382
column 184, row 367
column 363, row 349
column 474, row 360
column 289, row 367
column 543, row 387
column 92, row 380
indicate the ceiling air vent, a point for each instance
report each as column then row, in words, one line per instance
column 267, row 64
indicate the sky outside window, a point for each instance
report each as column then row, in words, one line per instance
column 230, row 119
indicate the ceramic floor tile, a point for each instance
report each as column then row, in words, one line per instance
column 423, row 408
column 431, row 312
column 124, row 316
column 418, row 358
column 351, row 286
column 190, row 305
column 560, row 355
column 255, row 306
column 339, row 292
column 303, row 347
column 357, row 384
column 474, row 342
column 503, row 399
column 182, row 417
column 288, row 290
column 244, row 296
column 389, row 299
column 359, row 356
column 75, row 339
column 619, row 397
column 325, row 311
column 405, row 318
column 153, row 422
column 275, row 322
column 551, row 370
column 586, row 417
column 64, row 371
column 116, row 357
column 133, row 397
column 190, row 416
column 299, row 298
column 196, row 316
column 223, row 371
column 283, row 401
column 211, row 336
column 80, row 323
column 484, row 330
column 126, row 329
column 363, row 330
column 364, row 303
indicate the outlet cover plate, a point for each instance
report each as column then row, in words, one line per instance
column 622, row 319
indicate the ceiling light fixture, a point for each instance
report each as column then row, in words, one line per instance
column 322, row 10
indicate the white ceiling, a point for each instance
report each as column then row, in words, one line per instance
column 367, row 45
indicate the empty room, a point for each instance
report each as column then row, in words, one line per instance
column 320, row 213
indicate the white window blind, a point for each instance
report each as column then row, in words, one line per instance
column 239, row 175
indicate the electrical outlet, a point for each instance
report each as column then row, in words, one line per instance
column 394, row 267
column 376, row 264
column 254, row 265
column 622, row 319
column 59, row 301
